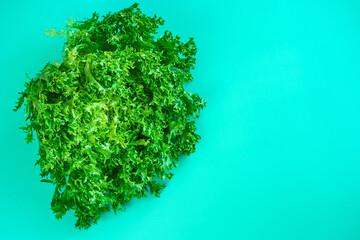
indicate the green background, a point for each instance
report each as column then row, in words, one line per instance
column 279, row 156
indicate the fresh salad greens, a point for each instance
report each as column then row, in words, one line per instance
column 113, row 117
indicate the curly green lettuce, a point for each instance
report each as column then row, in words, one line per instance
column 113, row 117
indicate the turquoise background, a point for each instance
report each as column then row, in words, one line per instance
column 279, row 156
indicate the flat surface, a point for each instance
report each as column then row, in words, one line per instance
column 279, row 156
